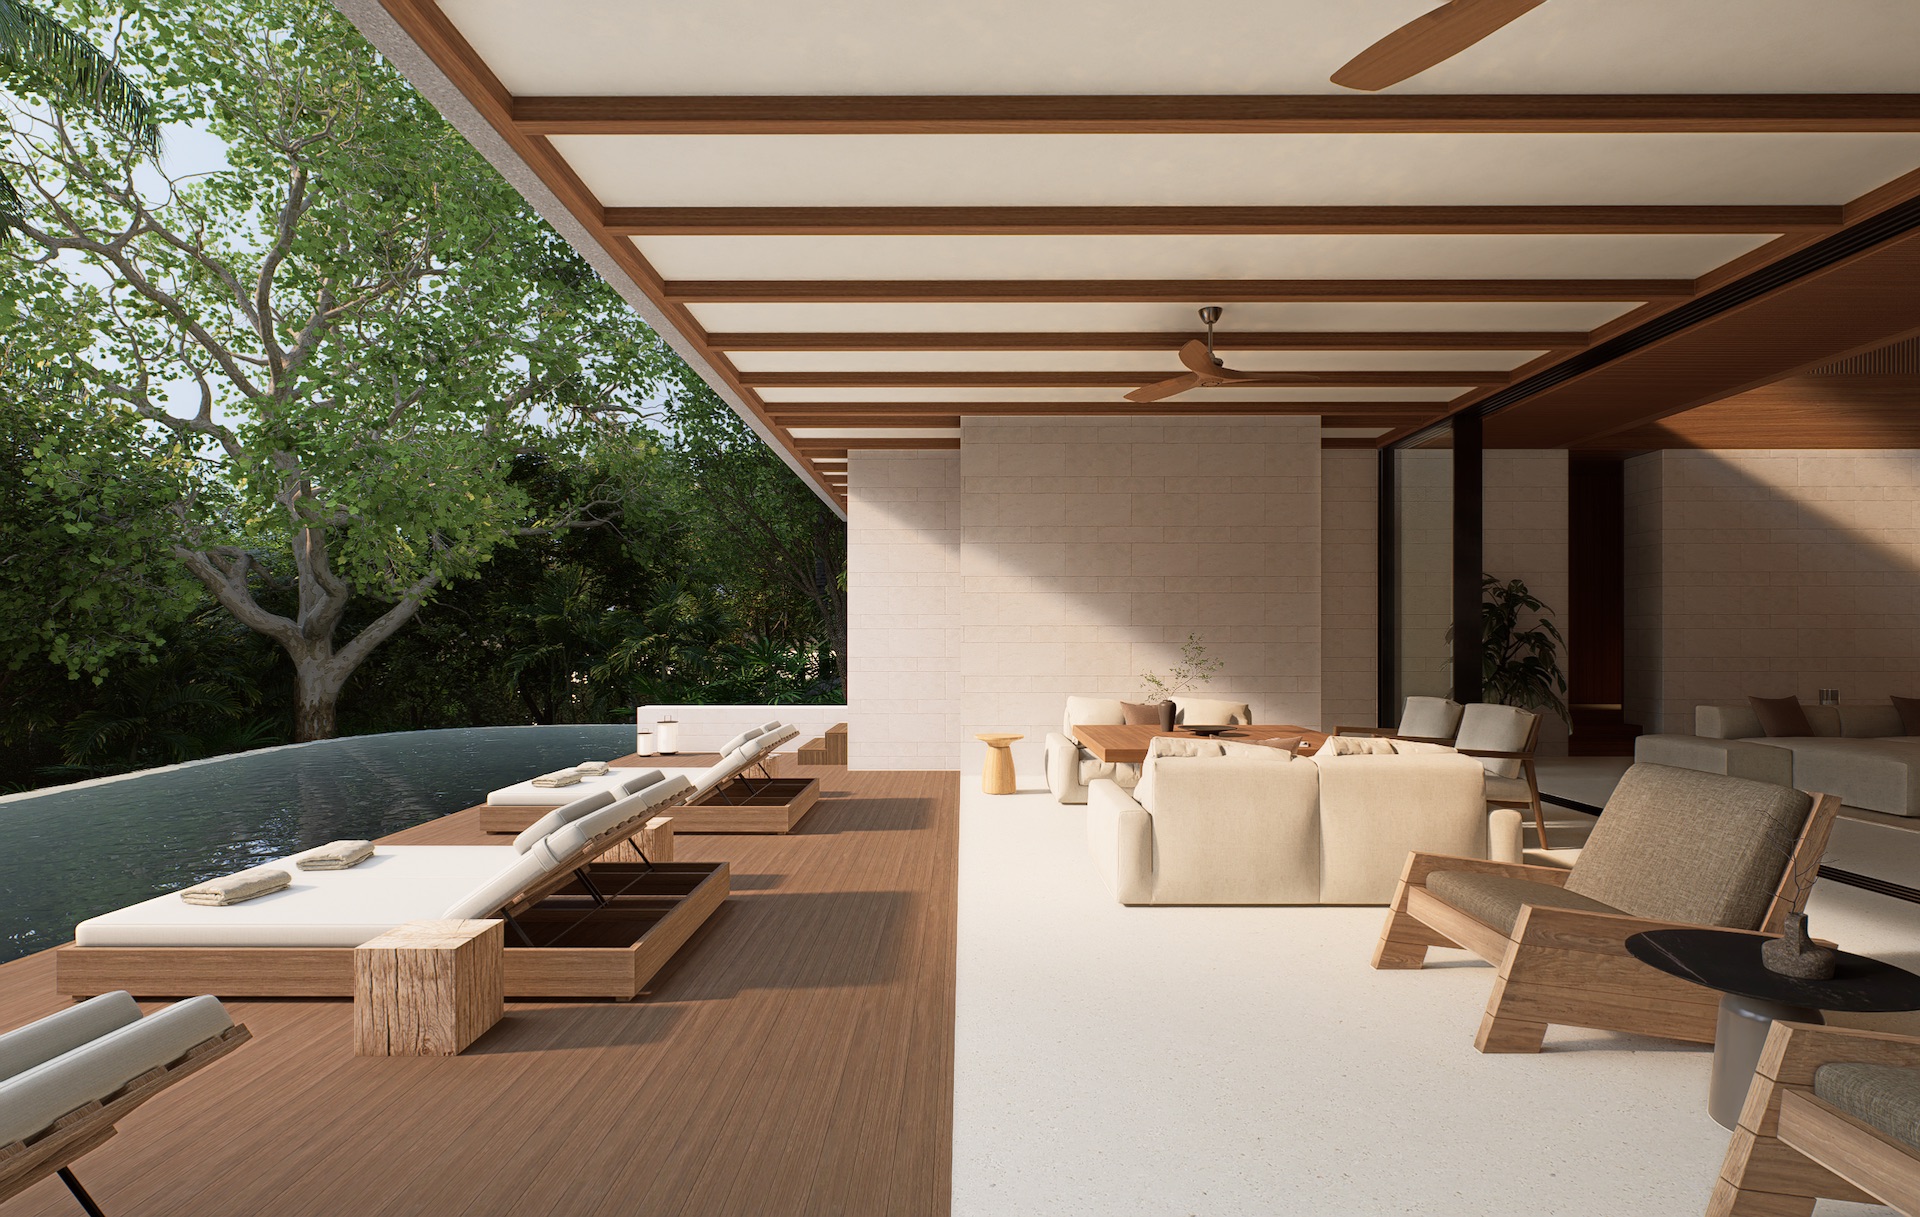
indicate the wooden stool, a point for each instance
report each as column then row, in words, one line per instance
column 428, row 988
column 997, row 777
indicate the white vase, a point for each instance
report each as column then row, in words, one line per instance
column 667, row 736
column 643, row 742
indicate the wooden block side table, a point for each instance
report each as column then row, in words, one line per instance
column 997, row 776
column 428, row 988
column 655, row 840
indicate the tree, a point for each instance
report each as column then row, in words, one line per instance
column 755, row 513
column 353, row 332
column 40, row 53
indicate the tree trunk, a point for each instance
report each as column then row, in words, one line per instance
column 317, row 684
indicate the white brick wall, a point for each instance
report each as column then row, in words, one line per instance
column 1773, row 573
column 1524, row 499
column 1090, row 547
column 1349, row 581
column 903, row 610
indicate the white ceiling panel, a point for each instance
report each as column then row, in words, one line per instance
column 1142, row 46
column 1245, row 170
column 1172, row 317
column 1659, row 256
column 964, row 394
column 1146, row 362
column 874, row 432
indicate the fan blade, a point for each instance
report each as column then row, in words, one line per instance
column 1429, row 39
column 1166, row 388
column 1195, row 355
column 1227, row 376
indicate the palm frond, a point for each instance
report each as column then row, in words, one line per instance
column 75, row 71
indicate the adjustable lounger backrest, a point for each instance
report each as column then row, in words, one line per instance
column 637, row 783
column 740, row 739
column 721, row 771
column 39, row 1042
column 584, row 805
column 763, row 745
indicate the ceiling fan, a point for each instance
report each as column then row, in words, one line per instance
column 1207, row 370
column 1429, row 39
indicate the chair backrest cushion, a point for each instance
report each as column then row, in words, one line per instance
column 1430, row 718
column 1695, row 848
column 63, row 1031
column 1210, row 712
column 560, row 816
column 1495, row 728
column 1094, row 711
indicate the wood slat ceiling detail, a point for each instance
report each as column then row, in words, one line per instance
column 703, row 204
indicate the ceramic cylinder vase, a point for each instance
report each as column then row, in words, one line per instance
column 666, row 736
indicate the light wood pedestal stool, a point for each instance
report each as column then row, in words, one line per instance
column 997, row 777
column 428, row 988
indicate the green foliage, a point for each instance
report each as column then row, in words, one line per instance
column 1195, row 668
column 1520, row 665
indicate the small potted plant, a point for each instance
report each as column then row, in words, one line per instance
column 1195, row 668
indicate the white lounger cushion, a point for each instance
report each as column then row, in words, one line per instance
column 740, row 739
column 773, row 725
column 39, row 1042
column 632, row 809
column 526, row 794
column 561, row 815
column 486, row 899
column 33, row 1100
column 400, row 883
column 640, row 780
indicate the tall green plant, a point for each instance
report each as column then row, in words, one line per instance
column 1520, row 663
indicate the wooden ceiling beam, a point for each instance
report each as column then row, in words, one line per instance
column 1184, row 291
column 1384, row 378
column 1177, row 221
column 1694, row 113
column 1161, row 340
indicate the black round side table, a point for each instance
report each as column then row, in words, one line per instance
column 1754, row 997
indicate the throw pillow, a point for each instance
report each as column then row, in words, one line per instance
column 1781, row 715
column 1167, row 745
column 1407, row 747
column 1140, row 713
column 1264, row 750
column 1289, row 744
column 1909, row 710
column 1356, row 745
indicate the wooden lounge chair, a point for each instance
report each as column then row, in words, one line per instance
column 66, row 1080
column 1833, row 1114
column 1675, row 848
column 1423, row 720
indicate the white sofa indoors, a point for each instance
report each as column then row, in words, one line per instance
column 1856, row 752
column 1255, row 825
column 1071, row 768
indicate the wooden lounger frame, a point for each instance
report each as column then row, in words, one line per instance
column 54, row 1149
column 588, row 928
column 1569, row 967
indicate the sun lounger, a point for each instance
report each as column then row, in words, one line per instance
column 740, row 794
column 66, row 1080
column 569, row 914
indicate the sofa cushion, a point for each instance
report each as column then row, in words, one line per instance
column 1877, row 774
column 1695, row 848
column 1496, row 900
column 1908, row 710
column 1125, row 773
column 1094, row 711
column 1262, row 750
column 1780, row 716
column 1165, row 746
column 1869, row 721
column 1507, row 790
column 1726, row 722
column 1355, row 745
column 1210, row 711
column 1884, row 1096
column 1140, row 713
column 1760, row 760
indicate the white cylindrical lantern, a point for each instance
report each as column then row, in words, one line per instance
column 666, row 734
column 643, row 742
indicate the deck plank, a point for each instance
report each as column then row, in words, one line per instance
column 797, row 1058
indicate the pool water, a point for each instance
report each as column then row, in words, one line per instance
column 67, row 855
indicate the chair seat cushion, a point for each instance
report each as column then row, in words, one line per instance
column 1508, row 790
column 1496, row 900
column 1885, row 1096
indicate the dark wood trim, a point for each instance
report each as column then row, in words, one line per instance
column 1166, row 221
column 1383, row 378
column 1345, row 442
column 1158, row 340
column 1216, row 291
column 1469, row 559
column 1280, row 115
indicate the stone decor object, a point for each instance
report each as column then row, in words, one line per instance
column 1794, row 954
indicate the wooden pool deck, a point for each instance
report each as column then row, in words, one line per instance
column 796, row 1058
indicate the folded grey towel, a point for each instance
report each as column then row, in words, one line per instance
column 232, row 889
column 337, row 855
column 563, row 777
column 596, row 768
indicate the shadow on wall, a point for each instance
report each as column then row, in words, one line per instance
column 1770, row 573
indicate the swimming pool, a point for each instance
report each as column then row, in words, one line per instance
column 69, row 854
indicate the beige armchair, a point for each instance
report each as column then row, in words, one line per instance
column 1426, row 720
column 1070, row 768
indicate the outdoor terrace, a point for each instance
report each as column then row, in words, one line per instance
column 797, row 1057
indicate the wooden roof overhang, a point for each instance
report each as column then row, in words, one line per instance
column 862, row 221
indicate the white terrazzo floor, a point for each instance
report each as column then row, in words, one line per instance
column 1168, row 1062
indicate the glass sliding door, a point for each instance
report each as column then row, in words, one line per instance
column 1423, row 592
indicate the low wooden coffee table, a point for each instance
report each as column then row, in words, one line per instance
column 1128, row 744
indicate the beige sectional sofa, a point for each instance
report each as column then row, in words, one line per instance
column 1254, row 825
column 1856, row 752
